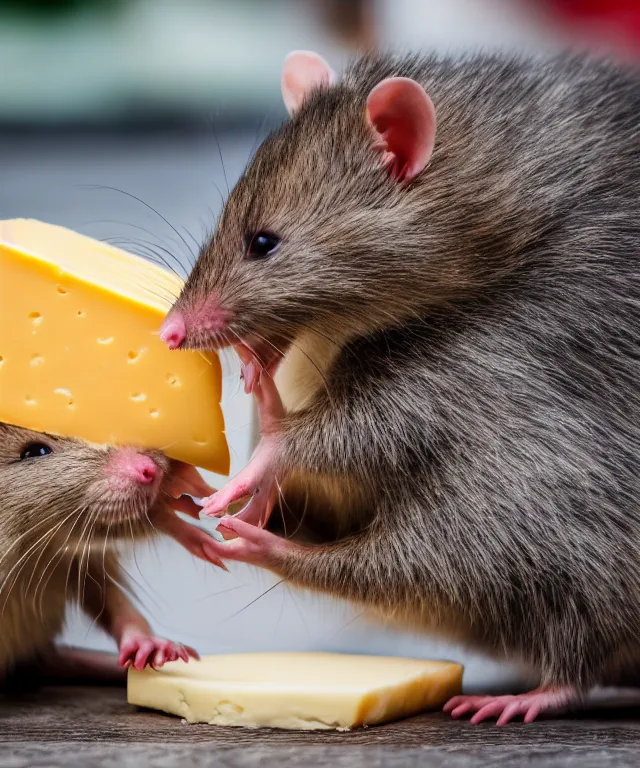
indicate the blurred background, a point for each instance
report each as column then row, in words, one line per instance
column 128, row 120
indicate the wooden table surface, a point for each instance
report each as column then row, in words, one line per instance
column 87, row 727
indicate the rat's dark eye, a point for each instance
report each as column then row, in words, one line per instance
column 262, row 244
column 34, row 451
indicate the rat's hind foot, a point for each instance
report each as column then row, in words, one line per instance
column 250, row 544
column 547, row 700
column 139, row 650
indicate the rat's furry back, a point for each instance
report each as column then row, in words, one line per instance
column 480, row 330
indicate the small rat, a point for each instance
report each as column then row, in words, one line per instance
column 439, row 261
column 63, row 504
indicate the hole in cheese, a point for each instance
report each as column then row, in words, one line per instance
column 1, row 360
column 62, row 290
column 81, row 313
column 36, row 360
column 106, row 340
column 138, row 397
column 154, row 413
column 173, row 381
column 30, row 400
column 66, row 393
column 133, row 356
column 36, row 318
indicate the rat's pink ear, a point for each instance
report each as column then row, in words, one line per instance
column 404, row 121
column 303, row 72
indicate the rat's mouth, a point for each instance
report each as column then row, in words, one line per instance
column 267, row 355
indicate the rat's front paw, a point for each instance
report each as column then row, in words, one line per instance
column 139, row 650
column 257, row 483
column 248, row 544
column 256, row 486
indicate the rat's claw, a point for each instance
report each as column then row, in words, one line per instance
column 250, row 375
column 140, row 650
column 256, row 480
column 260, row 382
column 250, row 544
column 505, row 708
column 187, row 480
column 192, row 539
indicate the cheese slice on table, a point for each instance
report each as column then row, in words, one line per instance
column 80, row 354
column 300, row 691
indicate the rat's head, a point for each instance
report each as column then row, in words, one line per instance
column 76, row 490
column 309, row 236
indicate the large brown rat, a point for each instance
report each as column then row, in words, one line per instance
column 454, row 314
column 63, row 505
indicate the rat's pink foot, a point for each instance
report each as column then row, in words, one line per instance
column 251, row 545
column 139, row 650
column 542, row 700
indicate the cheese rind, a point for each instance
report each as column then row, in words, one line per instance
column 298, row 691
column 80, row 354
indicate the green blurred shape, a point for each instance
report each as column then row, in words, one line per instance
column 51, row 8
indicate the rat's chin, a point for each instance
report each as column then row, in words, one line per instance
column 116, row 518
column 124, row 523
column 122, row 510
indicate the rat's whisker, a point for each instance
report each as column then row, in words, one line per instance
column 19, row 566
column 82, row 567
column 136, row 563
column 146, row 205
column 142, row 588
column 148, row 251
column 248, row 605
column 144, row 230
column 224, row 170
column 59, row 554
column 221, row 592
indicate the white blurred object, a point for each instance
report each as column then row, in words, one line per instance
column 193, row 55
column 454, row 25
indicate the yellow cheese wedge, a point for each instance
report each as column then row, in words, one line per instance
column 80, row 354
column 299, row 691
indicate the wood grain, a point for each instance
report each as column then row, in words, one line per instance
column 95, row 726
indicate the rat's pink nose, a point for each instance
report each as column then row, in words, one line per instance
column 139, row 468
column 173, row 331
column 144, row 470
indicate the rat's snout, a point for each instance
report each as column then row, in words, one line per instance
column 143, row 470
column 201, row 326
column 128, row 467
column 173, row 331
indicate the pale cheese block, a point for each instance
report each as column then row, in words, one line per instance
column 298, row 691
column 80, row 354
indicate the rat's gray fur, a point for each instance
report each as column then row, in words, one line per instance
column 59, row 517
column 481, row 395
